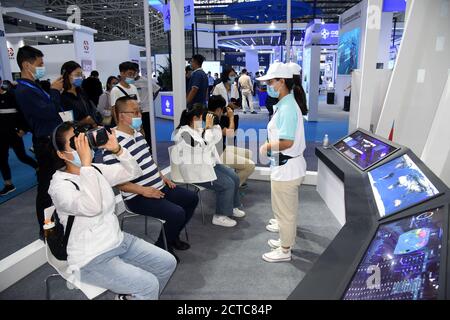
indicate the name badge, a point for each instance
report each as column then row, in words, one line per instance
column 66, row 116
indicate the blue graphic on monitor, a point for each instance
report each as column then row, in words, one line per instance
column 348, row 51
column 399, row 184
column 406, row 256
column 364, row 150
column 167, row 105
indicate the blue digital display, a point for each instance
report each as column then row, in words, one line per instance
column 402, row 261
column 394, row 5
column 167, row 105
column 348, row 51
column 399, row 184
column 364, row 150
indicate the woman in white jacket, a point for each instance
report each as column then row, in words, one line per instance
column 196, row 154
column 98, row 251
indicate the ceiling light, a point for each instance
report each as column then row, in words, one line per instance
column 323, row 21
column 272, row 25
column 46, row 37
column 135, row 4
column 105, row 6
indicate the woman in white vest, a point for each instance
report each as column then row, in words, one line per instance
column 285, row 147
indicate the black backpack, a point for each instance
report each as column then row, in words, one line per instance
column 57, row 239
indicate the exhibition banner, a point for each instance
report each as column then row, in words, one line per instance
column 84, row 50
column 348, row 51
column 264, row 60
column 235, row 59
column 322, row 34
column 189, row 15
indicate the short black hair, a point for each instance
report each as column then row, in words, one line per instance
column 198, row 58
column 122, row 102
column 126, row 66
column 216, row 102
column 244, row 71
column 28, row 54
column 94, row 73
column 136, row 66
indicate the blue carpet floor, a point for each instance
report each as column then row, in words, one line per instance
column 23, row 176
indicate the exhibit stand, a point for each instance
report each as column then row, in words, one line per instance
column 394, row 243
column 164, row 107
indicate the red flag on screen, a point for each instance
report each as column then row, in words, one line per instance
column 391, row 134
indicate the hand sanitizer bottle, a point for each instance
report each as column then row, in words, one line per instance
column 326, row 142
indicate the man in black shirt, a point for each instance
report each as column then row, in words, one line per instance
column 12, row 129
column 93, row 87
column 42, row 112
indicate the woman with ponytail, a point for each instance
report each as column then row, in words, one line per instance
column 285, row 147
column 196, row 155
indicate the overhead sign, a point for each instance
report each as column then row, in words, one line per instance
column 322, row 34
column 394, row 5
column 189, row 15
column 235, row 59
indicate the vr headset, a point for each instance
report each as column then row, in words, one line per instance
column 97, row 137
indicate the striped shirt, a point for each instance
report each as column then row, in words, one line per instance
column 138, row 148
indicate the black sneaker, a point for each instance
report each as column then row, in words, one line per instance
column 7, row 189
column 254, row 112
column 180, row 245
column 244, row 185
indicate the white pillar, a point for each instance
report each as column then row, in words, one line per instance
column 311, row 72
column 288, row 31
column 369, row 61
column 5, row 69
column 178, row 58
column 148, row 55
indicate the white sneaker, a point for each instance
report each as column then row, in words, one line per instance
column 273, row 221
column 277, row 255
column 238, row 213
column 274, row 244
column 223, row 221
column 273, row 227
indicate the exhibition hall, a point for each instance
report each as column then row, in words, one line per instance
column 225, row 150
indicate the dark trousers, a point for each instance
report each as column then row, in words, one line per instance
column 176, row 209
column 146, row 127
column 10, row 139
column 48, row 163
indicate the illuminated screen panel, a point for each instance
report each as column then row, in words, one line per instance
column 402, row 261
column 399, row 184
column 364, row 150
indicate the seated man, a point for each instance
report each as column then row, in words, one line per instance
column 152, row 194
column 236, row 158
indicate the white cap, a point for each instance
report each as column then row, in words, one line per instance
column 277, row 70
column 294, row 68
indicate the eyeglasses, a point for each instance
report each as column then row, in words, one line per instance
column 135, row 113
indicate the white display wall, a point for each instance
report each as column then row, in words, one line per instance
column 417, row 97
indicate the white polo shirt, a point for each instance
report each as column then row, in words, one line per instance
column 287, row 124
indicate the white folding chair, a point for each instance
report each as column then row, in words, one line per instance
column 122, row 209
column 176, row 176
column 72, row 280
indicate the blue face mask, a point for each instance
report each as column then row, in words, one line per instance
column 232, row 79
column 76, row 158
column 136, row 123
column 129, row 80
column 272, row 92
column 39, row 73
column 77, row 82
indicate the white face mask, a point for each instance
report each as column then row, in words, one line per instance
column 198, row 124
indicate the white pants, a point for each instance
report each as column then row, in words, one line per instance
column 247, row 94
column 239, row 159
column 284, row 196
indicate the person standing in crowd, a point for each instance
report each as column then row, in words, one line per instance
column 12, row 129
column 125, row 87
column 246, row 86
column 239, row 159
column 74, row 98
column 285, row 147
column 200, row 163
column 104, row 103
column 151, row 193
column 93, row 88
column 43, row 113
column 97, row 250
column 216, row 79
column 198, row 83
column 187, row 74
column 210, row 83
column 142, row 87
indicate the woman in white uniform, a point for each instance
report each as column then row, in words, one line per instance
column 285, row 146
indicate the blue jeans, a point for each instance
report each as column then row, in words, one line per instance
column 135, row 268
column 226, row 188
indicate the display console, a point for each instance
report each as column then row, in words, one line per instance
column 402, row 261
column 399, row 184
column 364, row 150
